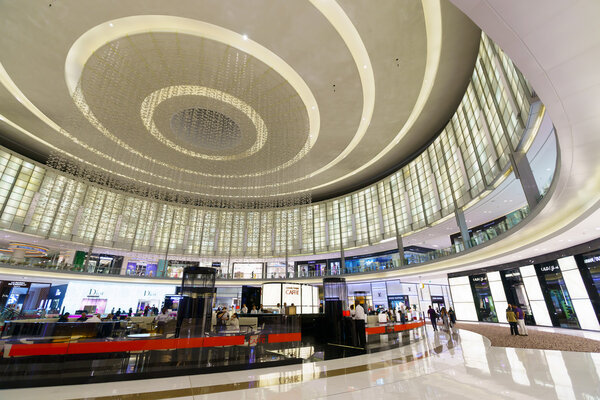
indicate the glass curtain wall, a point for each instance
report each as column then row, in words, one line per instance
column 471, row 150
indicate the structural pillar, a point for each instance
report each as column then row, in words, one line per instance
column 400, row 245
column 524, row 174
column 462, row 225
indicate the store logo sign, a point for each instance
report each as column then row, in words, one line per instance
column 292, row 291
column 591, row 260
column 148, row 293
column 480, row 279
column 550, row 268
column 17, row 284
column 95, row 293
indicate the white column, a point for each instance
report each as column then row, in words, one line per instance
column 462, row 297
column 536, row 297
column 498, row 295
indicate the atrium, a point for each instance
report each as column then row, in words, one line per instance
column 309, row 199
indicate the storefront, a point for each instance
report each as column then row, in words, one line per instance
column 556, row 295
column 98, row 263
column 589, row 265
column 559, row 289
column 516, row 294
column 308, row 269
column 372, row 262
column 142, row 268
column 277, row 270
column 101, row 297
column 13, row 293
column 304, row 297
column 484, row 303
column 248, row 270
column 174, row 268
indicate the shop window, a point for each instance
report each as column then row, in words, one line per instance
column 484, row 303
column 556, row 295
column 516, row 294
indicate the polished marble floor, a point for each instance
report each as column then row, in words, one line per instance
column 461, row 365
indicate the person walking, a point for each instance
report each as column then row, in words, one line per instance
column 432, row 316
column 512, row 320
column 520, row 319
column 445, row 319
column 452, row 316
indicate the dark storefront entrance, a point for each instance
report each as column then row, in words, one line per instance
column 589, row 266
column 516, row 293
column 556, row 295
column 484, row 304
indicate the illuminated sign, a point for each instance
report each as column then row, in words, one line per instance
column 550, row 268
column 95, row 293
column 591, row 260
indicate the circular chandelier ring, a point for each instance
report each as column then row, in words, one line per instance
column 155, row 98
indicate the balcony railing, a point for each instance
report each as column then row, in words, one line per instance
column 411, row 259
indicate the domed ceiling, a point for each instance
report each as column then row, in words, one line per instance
column 231, row 99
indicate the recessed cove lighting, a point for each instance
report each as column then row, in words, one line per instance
column 364, row 66
column 245, row 37
column 111, row 24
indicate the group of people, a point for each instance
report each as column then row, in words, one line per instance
column 516, row 319
column 85, row 318
column 279, row 309
column 227, row 319
column 448, row 317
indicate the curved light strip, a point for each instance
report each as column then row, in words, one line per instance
column 433, row 27
column 155, row 98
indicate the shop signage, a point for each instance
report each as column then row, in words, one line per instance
column 591, row 260
column 95, row 293
column 20, row 284
column 550, row 268
column 513, row 275
column 479, row 279
column 291, row 291
column 148, row 293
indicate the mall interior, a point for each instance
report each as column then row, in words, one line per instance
column 302, row 199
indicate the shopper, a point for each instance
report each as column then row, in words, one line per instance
column 244, row 309
column 520, row 319
column 512, row 320
column 83, row 317
column 352, row 311
column 445, row 319
column 234, row 322
column 64, row 317
column 432, row 316
column 162, row 317
column 254, row 311
column 452, row 316
column 94, row 318
column 130, row 311
column 222, row 318
column 359, row 313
